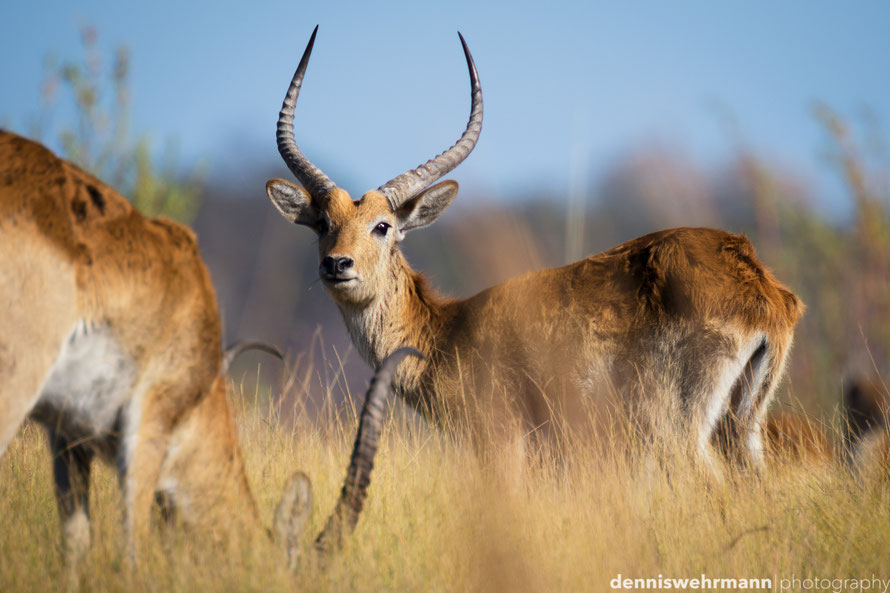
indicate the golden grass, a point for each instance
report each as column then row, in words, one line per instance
column 438, row 519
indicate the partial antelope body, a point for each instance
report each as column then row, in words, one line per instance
column 684, row 328
column 110, row 338
column 867, row 430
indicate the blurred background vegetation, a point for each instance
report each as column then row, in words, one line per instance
column 100, row 139
column 264, row 269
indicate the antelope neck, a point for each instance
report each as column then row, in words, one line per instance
column 407, row 313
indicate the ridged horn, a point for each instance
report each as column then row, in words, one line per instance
column 407, row 185
column 315, row 182
column 234, row 350
column 358, row 475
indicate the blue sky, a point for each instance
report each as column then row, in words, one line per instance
column 564, row 82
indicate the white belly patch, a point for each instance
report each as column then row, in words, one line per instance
column 88, row 385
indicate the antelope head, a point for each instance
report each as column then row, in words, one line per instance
column 358, row 239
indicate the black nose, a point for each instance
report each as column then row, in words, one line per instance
column 332, row 266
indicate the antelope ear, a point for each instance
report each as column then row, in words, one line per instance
column 291, row 516
column 294, row 202
column 425, row 207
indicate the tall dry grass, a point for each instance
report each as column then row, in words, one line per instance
column 440, row 519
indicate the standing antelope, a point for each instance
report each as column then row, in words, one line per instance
column 684, row 328
column 110, row 338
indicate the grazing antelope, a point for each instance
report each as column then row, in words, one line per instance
column 684, row 328
column 110, row 338
column 867, row 430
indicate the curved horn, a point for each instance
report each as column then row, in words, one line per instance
column 234, row 350
column 358, row 476
column 407, row 185
column 315, row 182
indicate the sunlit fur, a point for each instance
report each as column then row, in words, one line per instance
column 683, row 329
column 75, row 255
column 798, row 438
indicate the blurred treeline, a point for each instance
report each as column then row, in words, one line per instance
column 265, row 268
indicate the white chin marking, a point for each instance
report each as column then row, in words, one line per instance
column 343, row 285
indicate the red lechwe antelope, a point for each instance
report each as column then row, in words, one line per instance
column 683, row 328
column 867, row 429
column 110, row 338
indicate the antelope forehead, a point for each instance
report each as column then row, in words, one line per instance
column 371, row 207
column 340, row 206
column 374, row 203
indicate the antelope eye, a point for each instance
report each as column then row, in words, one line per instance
column 382, row 228
column 322, row 226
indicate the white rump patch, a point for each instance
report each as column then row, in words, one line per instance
column 734, row 369
column 88, row 384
